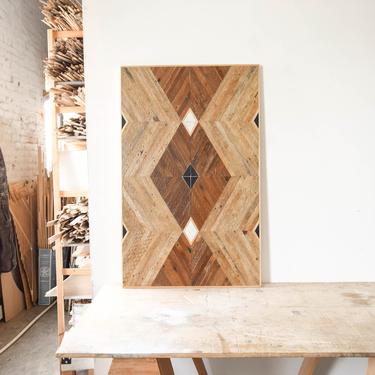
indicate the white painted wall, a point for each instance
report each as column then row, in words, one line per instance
column 318, row 173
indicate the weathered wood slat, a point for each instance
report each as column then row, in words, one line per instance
column 282, row 320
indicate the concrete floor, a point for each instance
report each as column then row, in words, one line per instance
column 34, row 352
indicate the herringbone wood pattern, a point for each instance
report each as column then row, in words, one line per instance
column 201, row 122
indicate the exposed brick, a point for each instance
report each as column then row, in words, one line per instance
column 23, row 46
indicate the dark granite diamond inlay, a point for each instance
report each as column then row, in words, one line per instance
column 190, row 176
column 257, row 230
column 256, row 120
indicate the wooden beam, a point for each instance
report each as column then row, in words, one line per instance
column 73, row 193
column 165, row 366
column 67, row 34
column 74, row 109
column 136, row 366
column 76, row 271
column 200, row 367
column 308, row 366
column 371, row 366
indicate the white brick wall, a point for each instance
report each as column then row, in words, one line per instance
column 23, row 46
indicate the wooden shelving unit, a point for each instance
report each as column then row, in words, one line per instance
column 75, row 287
column 78, row 283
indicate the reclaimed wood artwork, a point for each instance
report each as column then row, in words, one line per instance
column 190, row 176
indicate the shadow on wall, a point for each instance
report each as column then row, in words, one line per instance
column 264, row 225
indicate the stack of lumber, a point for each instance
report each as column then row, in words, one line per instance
column 73, row 223
column 62, row 14
column 68, row 95
column 81, row 256
column 66, row 61
column 73, row 127
column 22, row 204
column 44, row 203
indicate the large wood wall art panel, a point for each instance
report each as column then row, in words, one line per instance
column 190, row 176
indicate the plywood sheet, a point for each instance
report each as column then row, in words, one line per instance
column 278, row 320
column 190, row 168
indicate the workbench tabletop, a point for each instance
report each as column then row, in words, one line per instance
column 277, row 320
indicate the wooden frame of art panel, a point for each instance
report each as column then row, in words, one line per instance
column 190, row 176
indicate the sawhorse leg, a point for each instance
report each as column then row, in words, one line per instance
column 139, row 366
column 308, row 366
column 200, row 367
column 371, row 366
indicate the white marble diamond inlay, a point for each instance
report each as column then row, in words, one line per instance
column 190, row 121
column 191, row 231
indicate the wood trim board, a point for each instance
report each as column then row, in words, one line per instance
column 190, row 176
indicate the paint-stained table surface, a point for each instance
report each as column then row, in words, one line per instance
column 278, row 320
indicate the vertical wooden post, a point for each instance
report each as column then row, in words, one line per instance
column 308, row 366
column 56, row 198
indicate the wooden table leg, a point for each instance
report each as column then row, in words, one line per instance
column 165, row 366
column 199, row 365
column 371, row 366
column 308, row 366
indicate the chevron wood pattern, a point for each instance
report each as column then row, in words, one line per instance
column 190, row 166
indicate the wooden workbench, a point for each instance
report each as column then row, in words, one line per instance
column 277, row 320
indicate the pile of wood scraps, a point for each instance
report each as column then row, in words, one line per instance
column 73, row 127
column 22, row 204
column 69, row 95
column 81, row 256
column 62, row 14
column 66, row 61
column 73, row 222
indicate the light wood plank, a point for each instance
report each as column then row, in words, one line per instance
column 74, row 193
column 134, row 367
column 278, row 320
column 75, row 286
column 152, row 231
column 67, row 34
column 73, row 109
column 76, row 271
column 371, row 366
column 308, row 366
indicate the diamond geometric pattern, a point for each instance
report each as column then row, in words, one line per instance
column 191, row 231
column 190, row 175
column 190, row 121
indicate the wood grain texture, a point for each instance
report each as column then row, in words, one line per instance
column 228, row 121
column 308, row 366
column 150, row 117
column 277, row 320
column 371, row 366
column 195, row 267
column 134, row 367
column 152, row 231
column 190, row 142
column 165, row 366
column 200, row 367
